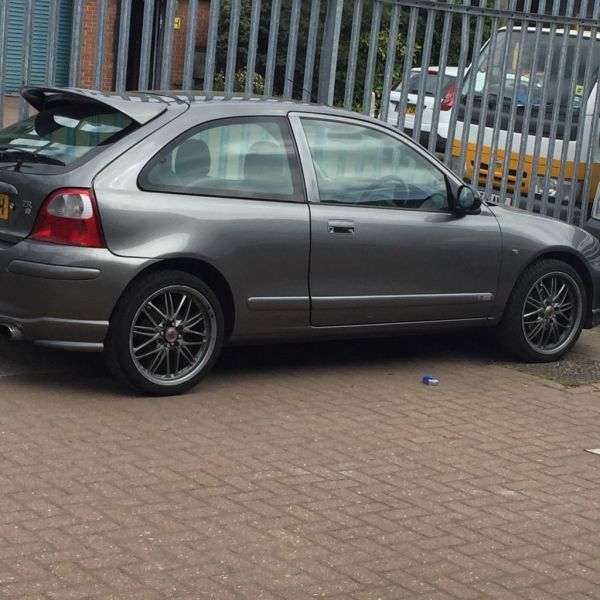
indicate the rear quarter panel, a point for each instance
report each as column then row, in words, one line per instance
column 261, row 248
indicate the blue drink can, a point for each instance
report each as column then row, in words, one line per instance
column 430, row 380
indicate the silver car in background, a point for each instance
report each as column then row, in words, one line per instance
column 158, row 227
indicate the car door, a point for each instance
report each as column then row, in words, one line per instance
column 385, row 245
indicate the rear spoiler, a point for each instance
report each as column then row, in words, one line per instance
column 138, row 106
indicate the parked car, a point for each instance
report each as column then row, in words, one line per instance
column 428, row 101
column 157, row 228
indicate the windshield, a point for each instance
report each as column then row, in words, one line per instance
column 62, row 134
column 524, row 64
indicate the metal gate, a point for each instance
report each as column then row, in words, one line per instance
column 521, row 123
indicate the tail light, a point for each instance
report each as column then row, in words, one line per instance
column 70, row 217
column 448, row 99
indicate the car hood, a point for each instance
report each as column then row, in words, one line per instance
column 525, row 231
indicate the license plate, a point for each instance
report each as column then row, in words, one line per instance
column 411, row 110
column 4, row 207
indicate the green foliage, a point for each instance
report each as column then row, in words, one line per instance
column 344, row 47
column 239, row 82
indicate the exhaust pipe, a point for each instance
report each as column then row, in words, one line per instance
column 10, row 332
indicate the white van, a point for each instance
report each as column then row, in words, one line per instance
column 538, row 94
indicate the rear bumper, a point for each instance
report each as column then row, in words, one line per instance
column 61, row 296
column 87, row 336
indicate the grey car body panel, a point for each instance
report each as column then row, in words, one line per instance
column 66, row 308
column 44, row 271
column 28, row 189
column 261, row 248
column 460, row 276
column 526, row 237
column 382, row 271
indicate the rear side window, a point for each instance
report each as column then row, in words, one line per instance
column 63, row 132
column 238, row 158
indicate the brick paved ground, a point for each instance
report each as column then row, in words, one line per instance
column 298, row 472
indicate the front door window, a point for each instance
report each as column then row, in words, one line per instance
column 361, row 166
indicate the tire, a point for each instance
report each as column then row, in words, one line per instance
column 545, row 312
column 165, row 333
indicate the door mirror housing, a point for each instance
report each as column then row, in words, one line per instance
column 467, row 200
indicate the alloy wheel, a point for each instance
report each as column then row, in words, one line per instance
column 552, row 312
column 172, row 335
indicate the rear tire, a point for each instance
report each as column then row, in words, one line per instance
column 165, row 334
column 545, row 312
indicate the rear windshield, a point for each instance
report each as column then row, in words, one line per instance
column 431, row 80
column 60, row 135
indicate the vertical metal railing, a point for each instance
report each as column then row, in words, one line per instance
column 272, row 47
column 123, row 48
column 3, row 32
column 252, row 47
column 329, row 52
column 357, row 16
column 211, row 46
column 234, row 26
column 146, row 45
column 51, row 46
column 527, row 142
column 402, row 105
column 390, row 59
column 311, row 49
column 167, row 45
column 290, row 63
column 190, row 45
column 99, row 49
column 27, row 51
column 372, row 58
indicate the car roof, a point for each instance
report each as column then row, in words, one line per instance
column 143, row 106
column 197, row 98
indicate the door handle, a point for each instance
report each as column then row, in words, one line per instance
column 340, row 226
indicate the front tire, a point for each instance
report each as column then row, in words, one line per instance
column 165, row 333
column 545, row 313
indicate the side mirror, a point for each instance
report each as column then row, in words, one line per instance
column 467, row 200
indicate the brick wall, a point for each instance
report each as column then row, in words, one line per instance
column 179, row 37
column 88, row 44
column 110, row 40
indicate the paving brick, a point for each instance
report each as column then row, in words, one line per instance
column 296, row 473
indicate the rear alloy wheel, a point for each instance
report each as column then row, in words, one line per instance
column 545, row 313
column 166, row 333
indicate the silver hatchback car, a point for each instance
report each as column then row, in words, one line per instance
column 156, row 228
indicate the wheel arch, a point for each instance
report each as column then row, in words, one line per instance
column 209, row 274
column 578, row 263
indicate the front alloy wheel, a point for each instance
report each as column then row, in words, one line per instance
column 165, row 334
column 552, row 312
column 545, row 312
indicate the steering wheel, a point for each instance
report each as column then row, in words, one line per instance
column 381, row 188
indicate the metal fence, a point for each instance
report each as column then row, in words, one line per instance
column 521, row 123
